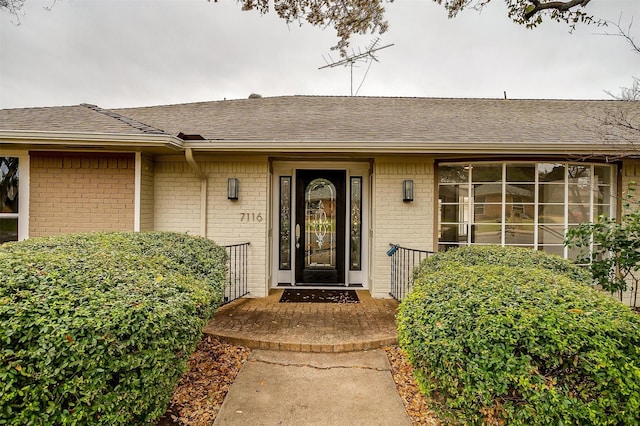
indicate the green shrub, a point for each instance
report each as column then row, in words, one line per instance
column 505, row 256
column 97, row 328
column 521, row 346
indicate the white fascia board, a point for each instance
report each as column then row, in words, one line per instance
column 407, row 147
column 72, row 140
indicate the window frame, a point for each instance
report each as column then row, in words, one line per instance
column 23, row 191
column 591, row 201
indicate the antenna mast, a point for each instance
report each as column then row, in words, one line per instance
column 353, row 58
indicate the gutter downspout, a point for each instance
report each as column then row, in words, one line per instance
column 203, row 190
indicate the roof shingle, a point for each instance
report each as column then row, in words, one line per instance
column 322, row 118
column 340, row 119
column 74, row 119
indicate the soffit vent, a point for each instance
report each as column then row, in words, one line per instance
column 190, row 137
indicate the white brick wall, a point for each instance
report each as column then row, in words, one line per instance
column 178, row 198
column 409, row 224
column 177, row 208
column 243, row 220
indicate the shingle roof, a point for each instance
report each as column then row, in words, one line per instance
column 340, row 119
column 79, row 118
column 321, row 118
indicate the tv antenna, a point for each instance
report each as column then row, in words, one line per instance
column 350, row 60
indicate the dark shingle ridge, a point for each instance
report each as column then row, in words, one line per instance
column 144, row 128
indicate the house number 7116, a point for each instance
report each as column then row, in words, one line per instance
column 251, row 217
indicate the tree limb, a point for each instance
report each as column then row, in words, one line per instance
column 561, row 6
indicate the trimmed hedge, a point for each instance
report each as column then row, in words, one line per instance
column 97, row 328
column 505, row 256
column 521, row 346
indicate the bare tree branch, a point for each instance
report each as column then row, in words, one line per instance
column 624, row 33
column 628, row 93
column 618, row 127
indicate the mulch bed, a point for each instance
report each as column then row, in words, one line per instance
column 414, row 401
column 214, row 366
column 212, row 369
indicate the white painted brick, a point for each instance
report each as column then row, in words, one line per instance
column 408, row 224
column 177, row 207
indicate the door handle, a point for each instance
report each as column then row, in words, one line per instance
column 297, row 235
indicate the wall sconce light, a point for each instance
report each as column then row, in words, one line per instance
column 232, row 188
column 407, row 190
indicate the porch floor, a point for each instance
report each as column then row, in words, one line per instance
column 264, row 323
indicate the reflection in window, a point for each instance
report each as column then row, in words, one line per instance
column 285, row 222
column 486, row 173
column 8, row 199
column 454, row 173
column 522, row 204
column 356, row 224
column 320, row 224
column 521, row 172
column 551, row 172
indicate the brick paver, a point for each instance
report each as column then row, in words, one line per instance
column 264, row 323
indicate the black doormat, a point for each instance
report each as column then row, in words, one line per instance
column 292, row 295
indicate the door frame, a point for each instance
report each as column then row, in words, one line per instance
column 303, row 178
column 288, row 168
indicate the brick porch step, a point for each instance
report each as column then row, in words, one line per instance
column 264, row 323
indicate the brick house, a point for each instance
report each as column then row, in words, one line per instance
column 320, row 186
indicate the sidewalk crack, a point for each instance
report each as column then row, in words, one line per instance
column 316, row 367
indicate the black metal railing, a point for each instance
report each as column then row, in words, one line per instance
column 403, row 261
column 236, row 284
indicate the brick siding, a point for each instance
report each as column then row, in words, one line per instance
column 80, row 193
column 177, row 198
column 146, row 194
column 177, row 207
column 409, row 224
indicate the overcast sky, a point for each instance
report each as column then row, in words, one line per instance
column 123, row 53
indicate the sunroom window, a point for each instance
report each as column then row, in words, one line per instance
column 528, row 204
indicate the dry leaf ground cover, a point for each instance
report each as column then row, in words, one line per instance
column 212, row 369
column 414, row 401
column 214, row 366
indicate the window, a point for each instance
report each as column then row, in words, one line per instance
column 9, row 178
column 355, row 252
column 528, row 204
column 285, row 222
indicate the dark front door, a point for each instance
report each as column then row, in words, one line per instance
column 320, row 221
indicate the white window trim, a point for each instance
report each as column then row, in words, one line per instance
column 23, row 191
column 469, row 204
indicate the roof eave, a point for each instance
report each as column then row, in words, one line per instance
column 38, row 140
column 407, row 147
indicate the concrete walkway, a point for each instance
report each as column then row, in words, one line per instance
column 297, row 388
column 312, row 363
